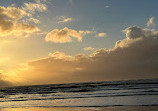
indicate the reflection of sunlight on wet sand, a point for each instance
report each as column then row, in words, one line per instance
column 51, row 109
column 118, row 108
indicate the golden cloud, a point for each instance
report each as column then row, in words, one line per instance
column 63, row 19
column 60, row 55
column 135, row 57
column 11, row 17
column 64, row 35
column 34, row 20
column 10, row 27
column 101, row 34
column 4, row 82
column 86, row 32
column 32, row 7
column 12, row 12
column 88, row 48
column 150, row 22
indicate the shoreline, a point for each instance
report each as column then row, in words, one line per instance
column 110, row 108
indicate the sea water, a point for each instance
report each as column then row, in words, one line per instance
column 90, row 94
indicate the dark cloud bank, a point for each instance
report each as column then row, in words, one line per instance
column 135, row 57
column 4, row 83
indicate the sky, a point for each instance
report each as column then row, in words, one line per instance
column 65, row 41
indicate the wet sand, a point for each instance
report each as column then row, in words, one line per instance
column 118, row 108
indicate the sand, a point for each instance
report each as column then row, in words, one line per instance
column 118, row 108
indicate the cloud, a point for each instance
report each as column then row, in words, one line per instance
column 107, row 6
column 8, row 27
column 137, row 32
column 64, row 35
column 88, row 49
column 12, row 12
column 101, row 34
column 63, row 19
column 150, row 22
column 60, row 55
column 39, row 1
column 11, row 18
column 3, row 82
column 134, row 57
column 34, row 20
column 87, row 32
column 32, row 7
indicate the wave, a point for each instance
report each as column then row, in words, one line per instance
column 134, row 92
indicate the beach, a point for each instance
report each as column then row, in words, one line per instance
column 117, row 108
column 78, row 55
column 131, row 95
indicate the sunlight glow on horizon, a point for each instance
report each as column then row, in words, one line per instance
column 56, row 41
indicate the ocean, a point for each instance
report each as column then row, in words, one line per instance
column 90, row 94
